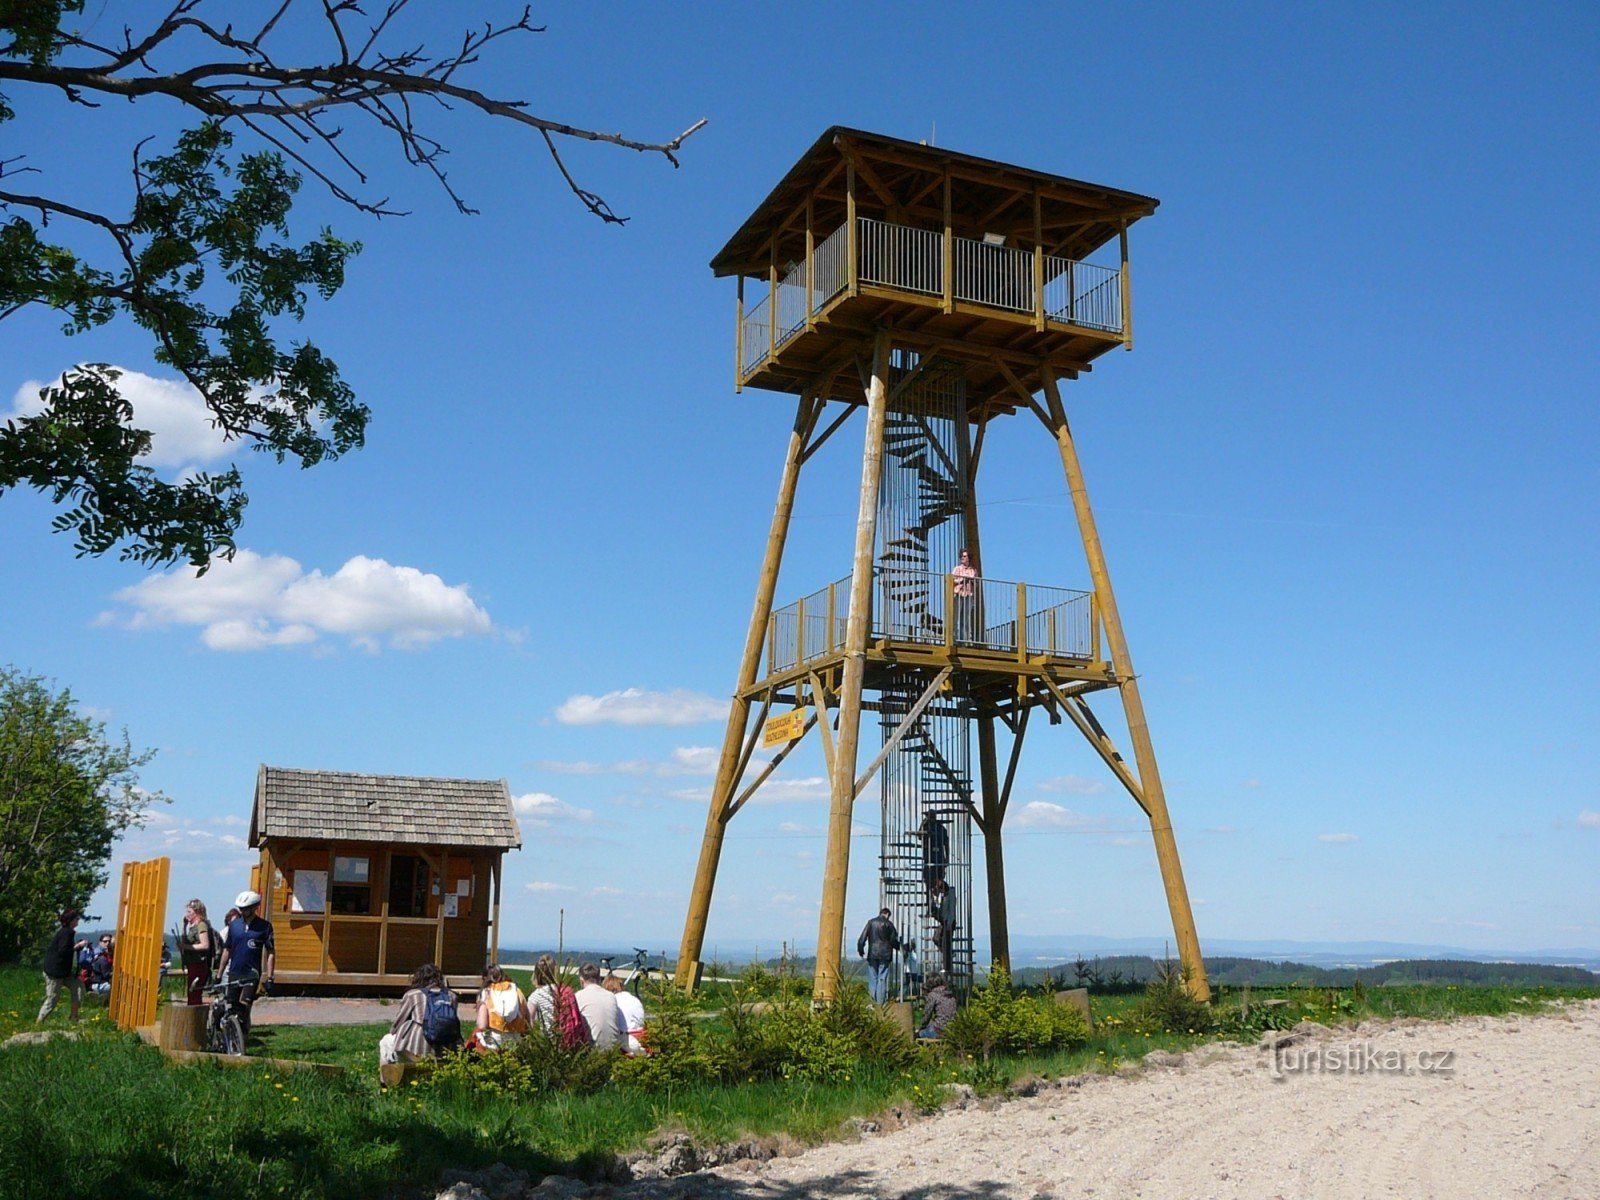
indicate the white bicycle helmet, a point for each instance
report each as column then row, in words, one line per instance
column 247, row 899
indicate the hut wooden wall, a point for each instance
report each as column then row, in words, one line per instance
column 379, row 942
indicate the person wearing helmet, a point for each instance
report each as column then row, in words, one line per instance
column 248, row 953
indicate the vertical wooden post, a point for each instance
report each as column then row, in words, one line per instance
column 1127, row 290
column 1133, row 707
column 991, row 826
column 949, row 250
column 694, row 928
column 835, row 875
column 811, row 269
column 383, row 929
column 1038, row 263
column 738, row 341
column 772, row 297
column 852, row 235
column 494, row 935
column 327, row 913
column 438, row 933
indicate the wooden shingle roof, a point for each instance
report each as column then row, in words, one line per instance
column 404, row 809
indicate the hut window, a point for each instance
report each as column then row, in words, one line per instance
column 408, row 886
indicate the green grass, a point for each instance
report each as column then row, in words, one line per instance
column 105, row 1115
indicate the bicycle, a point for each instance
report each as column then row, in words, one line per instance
column 224, row 1029
column 641, row 972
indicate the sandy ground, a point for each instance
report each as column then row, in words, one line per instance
column 1513, row 1111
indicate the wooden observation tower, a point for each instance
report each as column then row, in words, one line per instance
column 935, row 292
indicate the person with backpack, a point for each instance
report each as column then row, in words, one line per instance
column 554, row 1006
column 200, row 947
column 502, row 1011
column 427, row 1024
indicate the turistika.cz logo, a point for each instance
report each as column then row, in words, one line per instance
column 1357, row 1058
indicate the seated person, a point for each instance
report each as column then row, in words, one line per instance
column 938, row 1007
column 632, row 1009
column 407, row 1039
column 502, row 1010
column 100, row 967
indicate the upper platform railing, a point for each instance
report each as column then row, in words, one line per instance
column 908, row 259
column 938, row 610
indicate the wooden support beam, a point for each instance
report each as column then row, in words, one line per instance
column 694, row 929
column 902, row 729
column 1133, row 706
column 766, row 771
column 830, row 931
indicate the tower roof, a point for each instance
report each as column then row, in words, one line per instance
column 904, row 181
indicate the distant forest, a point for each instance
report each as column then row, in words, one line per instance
column 1128, row 972
column 1124, row 970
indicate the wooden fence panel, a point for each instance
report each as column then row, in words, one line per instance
column 136, row 968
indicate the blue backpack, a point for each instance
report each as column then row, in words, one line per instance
column 441, row 1023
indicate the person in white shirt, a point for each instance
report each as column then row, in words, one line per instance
column 600, row 1011
column 632, row 1012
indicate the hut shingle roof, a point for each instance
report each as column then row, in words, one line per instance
column 404, row 809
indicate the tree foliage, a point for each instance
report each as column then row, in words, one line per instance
column 203, row 258
column 66, row 792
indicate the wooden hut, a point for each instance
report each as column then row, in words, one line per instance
column 366, row 877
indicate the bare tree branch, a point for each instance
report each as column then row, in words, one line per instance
column 250, row 86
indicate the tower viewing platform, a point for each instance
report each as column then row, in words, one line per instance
column 970, row 258
column 1007, row 638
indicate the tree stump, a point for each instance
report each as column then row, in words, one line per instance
column 181, row 1027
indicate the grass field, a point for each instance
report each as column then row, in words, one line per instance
column 104, row 1115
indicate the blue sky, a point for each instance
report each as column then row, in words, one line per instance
column 1346, row 481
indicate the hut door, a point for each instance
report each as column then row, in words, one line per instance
column 408, row 886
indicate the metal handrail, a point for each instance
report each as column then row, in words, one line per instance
column 925, row 607
column 911, row 259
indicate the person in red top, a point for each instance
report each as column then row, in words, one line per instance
column 965, row 586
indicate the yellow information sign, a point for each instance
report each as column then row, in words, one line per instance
column 785, row 728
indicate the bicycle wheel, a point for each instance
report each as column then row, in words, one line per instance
column 231, row 1035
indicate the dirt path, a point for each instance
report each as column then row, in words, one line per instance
column 1513, row 1111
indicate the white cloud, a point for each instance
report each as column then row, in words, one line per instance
column 1589, row 819
column 1338, row 839
column 1041, row 814
column 540, row 885
column 182, row 435
column 635, row 706
column 541, row 810
column 686, row 760
column 256, row 601
column 1074, row 785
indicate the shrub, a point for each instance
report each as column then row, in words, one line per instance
column 1167, row 1006
column 676, row 1058
column 1000, row 1021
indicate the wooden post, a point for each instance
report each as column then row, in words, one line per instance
column 994, row 864
column 327, row 912
column 438, row 933
column 1127, row 290
column 992, row 825
column 852, row 235
column 694, row 928
column 383, row 929
column 835, row 874
column 738, row 341
column 811, row 270
column 1128, row 684
column 949, row 250
column 1038, row 263
column 494, row 934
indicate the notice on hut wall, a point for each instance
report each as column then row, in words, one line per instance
column 451, row 906
column 310, row 892
column 464, row 886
